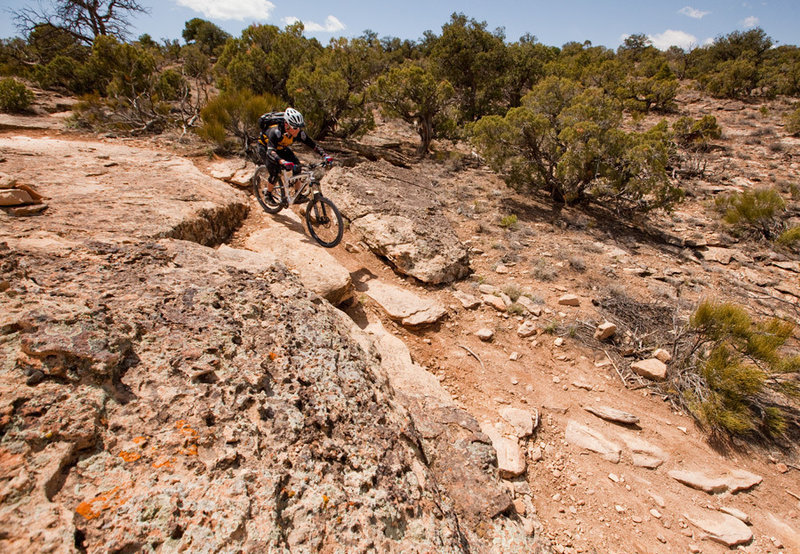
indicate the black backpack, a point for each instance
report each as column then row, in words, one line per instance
column 270, row 119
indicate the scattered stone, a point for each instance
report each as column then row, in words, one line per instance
column 738, row 514
column 781, row 467
column 558, row 342
column 514, row 356
column 699, row 481
column 662, row 355
column 467, row 300
column 485, row 288
column 569, row 300
column 651, row 368
column 582, row 385
column 529, row 305
column 495, row 302
column 584, row 437
column 510, row 457
column 722, row 528
column 605, row 331
column 522, row 421
column 612, row 414
column 655, row 513
column 526, row 329
column 485, row 334
column 694, row 549
column 501, row 269
column 741, row 480
column 716, row 254
column 661, row 538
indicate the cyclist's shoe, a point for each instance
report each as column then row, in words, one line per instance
column 303, row 198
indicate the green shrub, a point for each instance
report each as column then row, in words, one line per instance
column 509, row 222
column 567, row 140
column 790, row 238
column 696, row 133
column 756, row 211
column 14, row 96
column 793, row 122
column 235, row 114
column 735, row 371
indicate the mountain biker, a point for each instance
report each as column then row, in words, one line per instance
column 274, row 142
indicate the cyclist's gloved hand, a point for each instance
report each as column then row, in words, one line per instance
column 288, row 166
column 328, row 160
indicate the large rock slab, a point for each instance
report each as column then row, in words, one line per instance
column 722, row 528
column 396, row 213
column 734, row 481
column 510, row 457
column 643, row 453
column 401, row 304
column 100, row 190
column 317, row 269
column 590, row 439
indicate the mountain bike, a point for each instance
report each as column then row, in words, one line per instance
column 322, row 216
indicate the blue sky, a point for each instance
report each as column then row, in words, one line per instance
column 685, row 23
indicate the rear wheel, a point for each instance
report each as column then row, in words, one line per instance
column 270, row 201
column 324, row 221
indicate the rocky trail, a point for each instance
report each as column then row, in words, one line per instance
column 151, row 298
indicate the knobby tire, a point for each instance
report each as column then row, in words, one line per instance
column 324, row 221
column 270, row 202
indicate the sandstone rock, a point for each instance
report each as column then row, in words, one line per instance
column 569, row 300
column 467, row 300
column 485, row 334
column 495, row 302
column 501, row 269
column 662, row 355
column 741, row 480
column 401, row 304
column 584, row 437
column 522, row 421
column 651, row 368
column 486, row 288
column 643, row 453
column 510, row 457
column 722, row 528
column 529, row 305
column 605, row 331
column 738, row 514
column 716, row 254
column 612, row 414
column 318, row 269
column 404, row 224
column 700, row 481
column 527, row 329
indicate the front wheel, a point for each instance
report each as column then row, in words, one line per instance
column 270, row 201
column 324, row 221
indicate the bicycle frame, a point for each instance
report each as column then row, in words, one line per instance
column 309, row 182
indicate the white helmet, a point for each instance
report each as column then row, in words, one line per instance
column 294, row 118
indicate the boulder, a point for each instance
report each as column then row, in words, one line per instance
column 651, row 368
column 400, row 304
column 569, row 300
column 403, row 224
column 605, row 330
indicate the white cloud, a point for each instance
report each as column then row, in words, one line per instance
column 670, row 37
column 750, row 22
column 231, row 9
column 332, row 24
column 693, row 13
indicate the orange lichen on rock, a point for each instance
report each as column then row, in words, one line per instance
column 272, row 356
column 140, row 440
column 129, row 456
column 189, row 450
column 164, row 463
column 185, row 429
column 93, row 508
